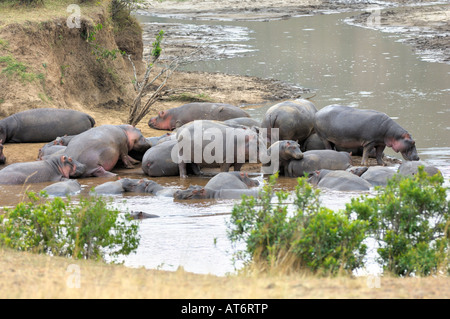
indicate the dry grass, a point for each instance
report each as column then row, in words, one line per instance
column 14, row 13
column 25, row 275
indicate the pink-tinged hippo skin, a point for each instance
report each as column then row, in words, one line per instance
column 43, row 125
column 293, row 119
column 54, row 169
column 2, row 156
column 348, row 127
column 178, row 116
column 100, row 148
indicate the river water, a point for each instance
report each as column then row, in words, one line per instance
column 343, row 64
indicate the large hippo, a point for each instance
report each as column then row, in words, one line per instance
column 339, row 181
column 348, row 127
column 176, row 117
column 225, row 185
column 2, row 157
column 64, row 188
column 157, row 160
column 210, row 142
column 317, row 160
column 43, row 125
column 100, row 148
column 54, row 169
column 293, row 119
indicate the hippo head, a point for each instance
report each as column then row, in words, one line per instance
column 2, row 157
column 248, row 181
column 164, row 121
column 130, row 185
column 291, row 151
column 69, row 167
column 406, row 146
column 135, row 140
column 193, row 192
column 315, row 177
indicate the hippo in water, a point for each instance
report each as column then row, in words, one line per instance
column 339, row 181
column 43, row 125
column 317, row 160
column 348, row 127
column 287, row 151
column 64, row 188
column 293, row 119
column 54, row 169
column 176, row 117
column 225, row 185
column 2, row 157
column 100, row 148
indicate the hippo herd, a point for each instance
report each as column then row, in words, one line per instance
column 299, row 138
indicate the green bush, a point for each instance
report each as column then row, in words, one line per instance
column 310, row 237
column 409, row 218
column 88, row 230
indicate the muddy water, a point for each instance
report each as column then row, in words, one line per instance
column 343, row 64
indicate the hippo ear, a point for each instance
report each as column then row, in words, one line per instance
column 63, row 158
column 161, row 113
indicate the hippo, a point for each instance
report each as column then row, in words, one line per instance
column 293, row 119
column 64, row 188
column 242, row 121
column 178, row 116
column 43, row 125
column 148, row 187
column 141, row 215
column 155, row 140
column 317, row 160
column 157, row 160
column 410, row 168
column 339, row 180
column 50, row 150
column 210, row 142
column 109, row 188
column 287, row 150
column 378, row 175
column 100, row 148
column 225, row 185
column 199, row 192
column 56, row 168
column 344, row 126
column 313, row 142
column 2, row 157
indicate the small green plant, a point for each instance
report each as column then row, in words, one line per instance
column 87, row 230
column 156, row 51
column 16, row 68
column 101, row 53
column 410, row 220
column 309, row 238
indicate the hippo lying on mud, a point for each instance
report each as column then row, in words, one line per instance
column 56, row 168
column 226, row 185
column 348, row 127
column 100, row 148
column 43, row 125
column 176, row 117
column 293, row 119
column 2, row 157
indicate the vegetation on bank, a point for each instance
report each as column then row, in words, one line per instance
column 86, row 229
column 409, row 219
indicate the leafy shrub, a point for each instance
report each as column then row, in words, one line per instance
column 410, row 220
column 87, row 230
column 310, row 238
